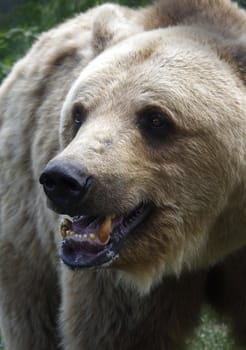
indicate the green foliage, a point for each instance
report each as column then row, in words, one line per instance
column 242, row 3
column 20, row 27
column 212, row 334
column 13, row 44
column 45, row 13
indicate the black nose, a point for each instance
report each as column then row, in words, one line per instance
column 65, row 185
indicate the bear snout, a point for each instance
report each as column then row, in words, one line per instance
column 65, row 186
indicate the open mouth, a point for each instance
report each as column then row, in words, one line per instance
column 96, row 240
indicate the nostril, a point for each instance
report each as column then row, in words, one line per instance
column 89, row 182
column 47, row 182
column 59, row 181
column 71, row 185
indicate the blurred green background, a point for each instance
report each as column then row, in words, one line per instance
column 20, row 23
column 22, row 20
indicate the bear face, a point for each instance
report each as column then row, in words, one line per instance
column 152, row 133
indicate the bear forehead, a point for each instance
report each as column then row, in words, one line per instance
column 166, row 56
column 170, row 65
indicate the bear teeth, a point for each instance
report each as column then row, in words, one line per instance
column 103, row 234
column 84, row 237
column 101, row 237
column 92, row 236
column 105, row 229
column 65, row 228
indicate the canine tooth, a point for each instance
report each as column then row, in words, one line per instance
column 67, row 223
column 104, row 231
column 63, row 234
column 92, row 236
column 65, row 227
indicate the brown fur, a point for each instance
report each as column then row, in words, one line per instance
column 150, row 297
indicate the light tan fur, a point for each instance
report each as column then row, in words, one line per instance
column 31, row 97
column 150, row 297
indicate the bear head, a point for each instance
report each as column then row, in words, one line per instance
column 151, row 173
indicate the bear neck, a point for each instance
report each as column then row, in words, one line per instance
column 228, row 234
column 114, row 316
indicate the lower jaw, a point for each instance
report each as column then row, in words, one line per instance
column 84, row 260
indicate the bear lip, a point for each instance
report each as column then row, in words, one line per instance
column 82, row 245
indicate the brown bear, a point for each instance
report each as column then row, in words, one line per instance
column 140, row 116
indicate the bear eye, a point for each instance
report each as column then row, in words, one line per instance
column 154, row 122
column 78, row 115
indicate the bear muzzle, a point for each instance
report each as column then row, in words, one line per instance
column 89, row 239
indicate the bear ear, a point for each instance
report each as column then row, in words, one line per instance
column 112, row 24
column 238, row 54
